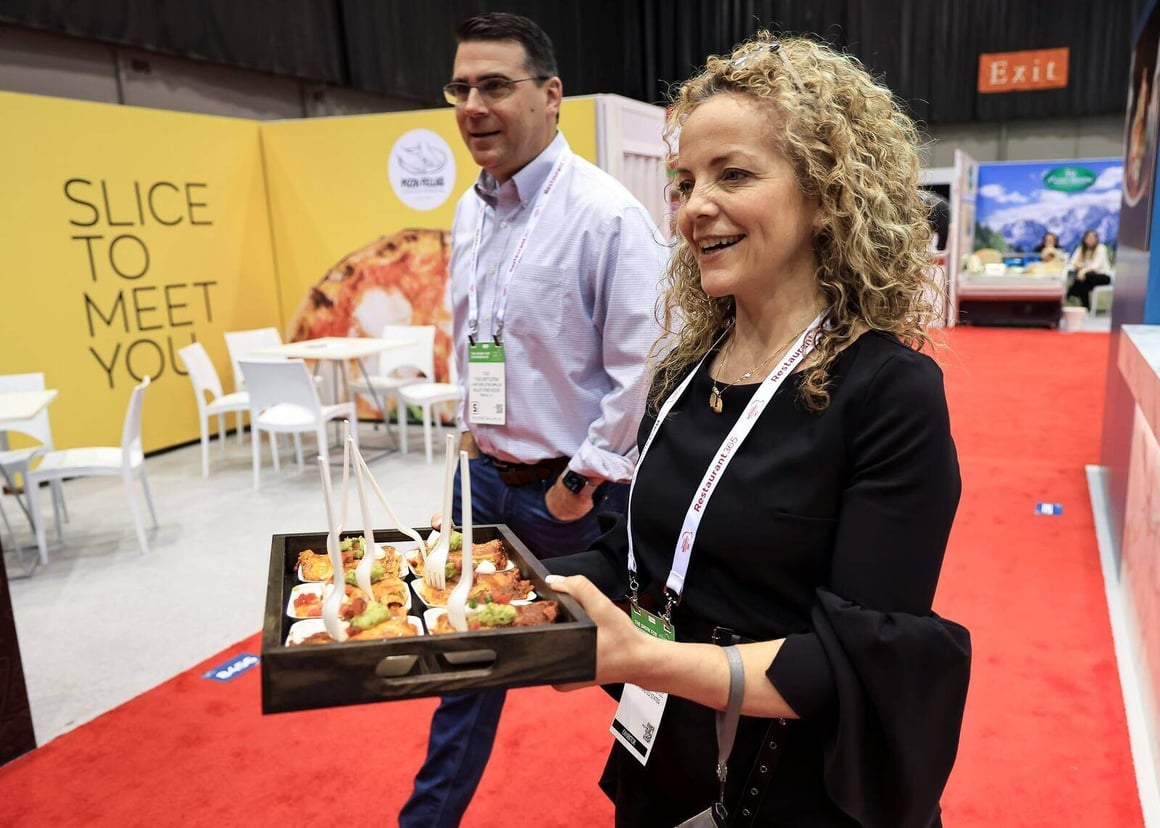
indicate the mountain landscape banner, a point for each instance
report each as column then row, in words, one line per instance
column 1020, row 201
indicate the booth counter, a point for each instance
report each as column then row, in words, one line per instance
column 1138, row 362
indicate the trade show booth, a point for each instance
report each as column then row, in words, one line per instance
column 136, row 232
column 1002, row 279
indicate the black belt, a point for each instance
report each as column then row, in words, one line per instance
column 522, row 474
column 696, row 629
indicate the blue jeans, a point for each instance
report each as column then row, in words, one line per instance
column 464, row 725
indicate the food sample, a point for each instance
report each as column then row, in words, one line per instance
column 315, row 566
column 493, row 552
column 373, row 622
column 498, row 616
column 496, row 587
column 307, row 599
column 380, row 621
column 390, row 591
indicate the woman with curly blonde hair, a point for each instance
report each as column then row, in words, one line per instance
column 797, row 479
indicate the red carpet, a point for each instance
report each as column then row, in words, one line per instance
column 1045, row 743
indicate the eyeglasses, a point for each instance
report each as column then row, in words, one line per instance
column 491, row 90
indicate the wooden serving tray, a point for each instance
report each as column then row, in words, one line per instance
column 358, row 672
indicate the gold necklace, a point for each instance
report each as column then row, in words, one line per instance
column 715, row 401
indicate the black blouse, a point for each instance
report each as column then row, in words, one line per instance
column 827, row 530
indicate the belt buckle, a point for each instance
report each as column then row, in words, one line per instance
column 723, row 636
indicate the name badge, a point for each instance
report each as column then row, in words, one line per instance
column 486, row 386
column 639, row 714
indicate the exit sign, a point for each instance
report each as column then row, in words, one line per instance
column 1023, row 71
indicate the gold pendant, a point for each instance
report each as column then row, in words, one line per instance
column 715, row 401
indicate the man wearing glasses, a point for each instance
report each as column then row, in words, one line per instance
column 554, row 276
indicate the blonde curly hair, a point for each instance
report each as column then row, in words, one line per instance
column 854, row 150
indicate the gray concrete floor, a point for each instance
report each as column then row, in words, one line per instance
column 1098, row 322
column 102, row 623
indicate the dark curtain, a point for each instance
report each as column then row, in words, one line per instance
column 298, row 38
column 927, row 51
column 407, row 48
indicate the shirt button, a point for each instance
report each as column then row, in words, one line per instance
column 503, row 225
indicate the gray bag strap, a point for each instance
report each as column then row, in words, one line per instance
column 727, row 721
column 716, row 814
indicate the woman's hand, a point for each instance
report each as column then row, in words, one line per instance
column 698, row 672
column 621, row 649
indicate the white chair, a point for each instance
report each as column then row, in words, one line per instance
column 19, row 461
column 241, row 345
column 394, row 370
column 126, row 460
column 205, row 381
column 427, row 395
column 284, row 400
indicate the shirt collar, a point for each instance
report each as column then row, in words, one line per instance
column 528, row 180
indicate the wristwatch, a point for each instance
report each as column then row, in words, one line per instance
column 573, row 482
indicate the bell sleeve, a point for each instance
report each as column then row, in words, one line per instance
column 881, row 678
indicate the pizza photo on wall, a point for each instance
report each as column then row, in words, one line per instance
column 398, row 279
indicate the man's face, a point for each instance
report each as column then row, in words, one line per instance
column 503, row 136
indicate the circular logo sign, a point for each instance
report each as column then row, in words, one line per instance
column 1069, row 179
column 421, row 169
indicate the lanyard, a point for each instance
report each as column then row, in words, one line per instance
column 506, row 277
column 728, row 449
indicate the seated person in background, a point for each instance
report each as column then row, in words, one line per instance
column 1048, row 248
column 1091, row 266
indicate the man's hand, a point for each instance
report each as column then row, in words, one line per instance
column 563, row 505
column 467, row 443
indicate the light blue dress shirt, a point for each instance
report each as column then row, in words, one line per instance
column 580, row 316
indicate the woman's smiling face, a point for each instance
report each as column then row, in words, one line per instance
column 742, row 212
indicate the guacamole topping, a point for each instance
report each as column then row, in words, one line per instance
column 375, row 614
column 497, row 615
column 377, row 574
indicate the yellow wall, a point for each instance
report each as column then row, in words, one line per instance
column 122, row 183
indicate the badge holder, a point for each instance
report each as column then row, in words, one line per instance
column 638, row 716
column 486, row 383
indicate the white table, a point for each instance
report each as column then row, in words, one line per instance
column 339, row 350
column 23, row 405
column 15, row 408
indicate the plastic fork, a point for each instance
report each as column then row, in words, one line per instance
column 333, row 602
column 362, row 572
column 457, row 602
column 402, row 527
column 363, row 476
column 435, row 565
